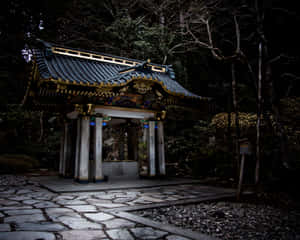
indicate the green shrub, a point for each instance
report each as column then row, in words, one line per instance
column 17, row 163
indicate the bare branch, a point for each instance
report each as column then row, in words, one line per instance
column 238, row 36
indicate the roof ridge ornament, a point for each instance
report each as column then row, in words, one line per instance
column 47, row 48
column 170, row 71
column 141, row 67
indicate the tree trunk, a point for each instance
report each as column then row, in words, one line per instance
column 236, row 111
column 41, row 126
column 258, row 122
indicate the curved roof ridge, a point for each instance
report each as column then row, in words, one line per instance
column 75, row 67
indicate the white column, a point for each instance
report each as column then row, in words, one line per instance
column 78, row 145
column 61, row 155
column 161, row 148
column 151, row 148
column 98, row 175
column 63, row 151
column 66, row 149
column 84, row 150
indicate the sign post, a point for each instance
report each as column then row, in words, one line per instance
column 245, row 149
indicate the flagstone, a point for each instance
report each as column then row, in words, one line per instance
column 119, row 234
column 83, row 208
column 22, row 212
column 79, row 223
column 4, row 228
column 83, row 235
column 22, row 235
column 25, row 218
column 118, row 223
column 98, row 217
column 45, row 226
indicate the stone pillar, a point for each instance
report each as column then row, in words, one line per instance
column 78, row 145
column 151, row 148
column 83, row 171
column 98, row 175
column 161, row 148
column 64, row 151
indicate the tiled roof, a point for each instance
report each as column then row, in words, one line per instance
column 90, row 68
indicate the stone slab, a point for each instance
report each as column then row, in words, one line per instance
column 45, row 226
column 78, row 223
column 118, row 223
column 22, row 212
column 26, row 236
column 176, row 237
column 83, row 235
column 25, row 218
column 82, row 208
column 59, row 185
column 99, row 217
column 4, row 227
column 119, row 234
column 14, row 208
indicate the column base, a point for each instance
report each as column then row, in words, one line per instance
column 84, row 181
column 148, row 176
column 103, row 179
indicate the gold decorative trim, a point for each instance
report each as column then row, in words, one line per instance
column 102, row 58
column 97, row 92
column 142, row 86
column 90, row 109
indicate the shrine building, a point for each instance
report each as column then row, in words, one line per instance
column 113, row 110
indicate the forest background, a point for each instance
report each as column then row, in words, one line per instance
column 243, row 54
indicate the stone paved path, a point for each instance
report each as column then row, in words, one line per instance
column 30, row 212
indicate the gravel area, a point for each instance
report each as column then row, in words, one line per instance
column 229, row 220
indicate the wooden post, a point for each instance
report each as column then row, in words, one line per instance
column 98, row 175
column 151, row 148
column 78, row 145
column 84, row 150
column 161, row 148
column 239, row 190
